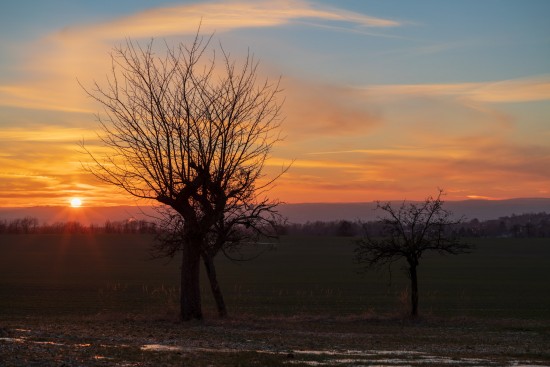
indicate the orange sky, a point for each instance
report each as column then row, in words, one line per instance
column 381, row 103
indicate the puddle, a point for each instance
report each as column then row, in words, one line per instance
column 396, row 352
column 400, row 359
column 46, row 342
column 115, row 345
column 98, row 357
column 350, row 362
column 14, row 340
column 335, row 353
column 359, row 353
column 41, row 342
column 347, row 362
column 382, row 358
column 389, row 358
column 388, row 361
column 25, row 340
column 161, row 348
column 332, row 357
column 83, row 345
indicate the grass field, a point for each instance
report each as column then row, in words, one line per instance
column 99, row 301
column 80, row 274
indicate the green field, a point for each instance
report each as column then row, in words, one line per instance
column 81, row 274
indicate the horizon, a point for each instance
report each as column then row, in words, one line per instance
column 293, row 212
column 383, row 100
column 137, row 205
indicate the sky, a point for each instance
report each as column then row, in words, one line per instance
column 384, row 100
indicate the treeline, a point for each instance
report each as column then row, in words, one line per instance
column 516, row 226
column 31, row 225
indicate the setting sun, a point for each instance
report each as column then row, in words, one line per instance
column 76, row 202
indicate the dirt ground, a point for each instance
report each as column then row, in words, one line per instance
column 360, row 340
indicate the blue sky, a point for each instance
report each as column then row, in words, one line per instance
column 385, row 99
column 440, row 41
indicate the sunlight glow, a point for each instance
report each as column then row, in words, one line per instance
column 76, row 202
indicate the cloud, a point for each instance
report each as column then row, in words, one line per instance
column 536, row 88
column 52, row 64
column 314, row 109
column 220, row 17
column 35, row 158
column 464, row 166
column 349, row 144
column 44, row 96
column 409, row 140
column 309, row 163
column 41, row 165
column 47, row 134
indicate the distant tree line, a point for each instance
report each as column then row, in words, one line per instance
column 514, row 226
column 31, row 225
column 338, row 228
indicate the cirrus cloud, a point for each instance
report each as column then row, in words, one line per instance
column 535, row 88
column 220, row 17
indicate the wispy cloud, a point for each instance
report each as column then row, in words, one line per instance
column 355, row 30
column 319, row 109
column 46, row 134
column 55, row 61
column 43, row 95
column 536, row 88
column 221, row 16
column 464, row 166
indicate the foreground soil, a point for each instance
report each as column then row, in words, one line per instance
column 366, row 340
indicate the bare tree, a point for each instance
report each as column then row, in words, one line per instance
column 192, row 133
column 407, row 232
column 241, row 226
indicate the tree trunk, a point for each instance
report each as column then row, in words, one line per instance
column 414, row 289
column 190, row 294
column 214, row 285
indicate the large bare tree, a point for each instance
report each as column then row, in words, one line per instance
column 406, row 233
column 191, row 129
column 242, row 226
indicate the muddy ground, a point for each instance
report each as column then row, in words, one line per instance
column 366, row 340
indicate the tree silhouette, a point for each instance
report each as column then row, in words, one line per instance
column 407, row 232
column 239, row 226
column 192, row 133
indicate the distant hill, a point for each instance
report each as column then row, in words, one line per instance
column 480, row 209
column 296, row 213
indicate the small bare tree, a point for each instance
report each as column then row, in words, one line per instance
column 192, row 133
column 407, row 232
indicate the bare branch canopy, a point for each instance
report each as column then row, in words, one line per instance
column 192, row 129
column 406, row 233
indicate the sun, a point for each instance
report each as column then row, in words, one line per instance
column 76, row 202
